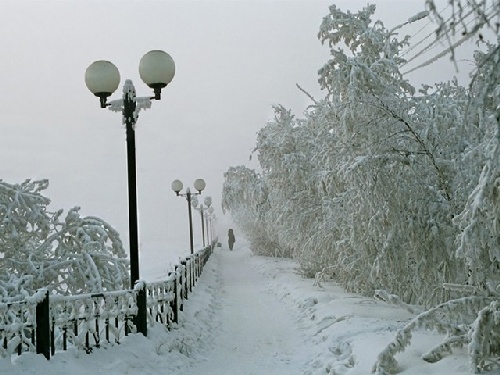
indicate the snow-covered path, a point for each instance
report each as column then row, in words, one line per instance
column 252, row 315
column 257, row 333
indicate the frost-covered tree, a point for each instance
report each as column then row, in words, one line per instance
column 389, row 189
column 244, row 196
column 362, row 184
column 396, row 184
column 40, row 249
column 478, row 240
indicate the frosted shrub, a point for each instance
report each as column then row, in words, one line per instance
column 468, row 320
column 484, row 336
column 41, row 250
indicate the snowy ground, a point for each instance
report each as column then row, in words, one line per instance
column 253, row 315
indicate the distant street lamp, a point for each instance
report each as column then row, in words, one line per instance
column 156, row 69
column 199, row 185
column 213, row 221
column 208, row 218
column 208, row 202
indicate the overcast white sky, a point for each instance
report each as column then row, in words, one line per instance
column 234, row 60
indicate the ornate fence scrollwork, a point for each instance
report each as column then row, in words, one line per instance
column 46, row 323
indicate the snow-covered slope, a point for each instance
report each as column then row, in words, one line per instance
column 254, row 315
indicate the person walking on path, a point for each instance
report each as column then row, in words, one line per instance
column 231, row 239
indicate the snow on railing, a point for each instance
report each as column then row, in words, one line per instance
column 91, row 320
column 45, row 323
column 161, row 298
column 17, row 326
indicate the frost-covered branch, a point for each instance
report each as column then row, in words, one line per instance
column 396, row 300
column 450, row 318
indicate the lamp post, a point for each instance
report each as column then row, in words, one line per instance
column 208, row 219
column 156, row 69
column 199, row 185
column 208, row 202
column 212, row 219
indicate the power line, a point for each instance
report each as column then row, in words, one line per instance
column 431, row 45
column 420, row 30
column 454, row 45
column 441, row 54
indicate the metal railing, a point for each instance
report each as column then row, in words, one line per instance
column 45, row 323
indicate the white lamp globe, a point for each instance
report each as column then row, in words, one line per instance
column 177, row 186
column 199, row 184
column 208, row 201
column 157, row 69
column 194, row 202
column 102, row 78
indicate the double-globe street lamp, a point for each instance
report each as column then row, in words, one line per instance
column 212, row 219
column 199, row 185
column 156, row 69
column 209, row 214
column 205, row 210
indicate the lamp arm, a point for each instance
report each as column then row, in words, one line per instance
column 115, row 105
column 143, row 102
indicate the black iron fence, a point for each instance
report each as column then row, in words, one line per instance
column 45, row 323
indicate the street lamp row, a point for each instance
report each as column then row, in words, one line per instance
column 205, row 210
column 177, row 187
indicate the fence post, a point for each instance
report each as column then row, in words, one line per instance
column 177, row 292
column 196, row 267
column 193, row 271
column 141, row 319
column 43, row 326
column 178, row 286
column 190, row 271
column 200, row 262
column 185, row 279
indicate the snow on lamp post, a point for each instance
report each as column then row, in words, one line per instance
column 156, row 69
column 199, row 185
